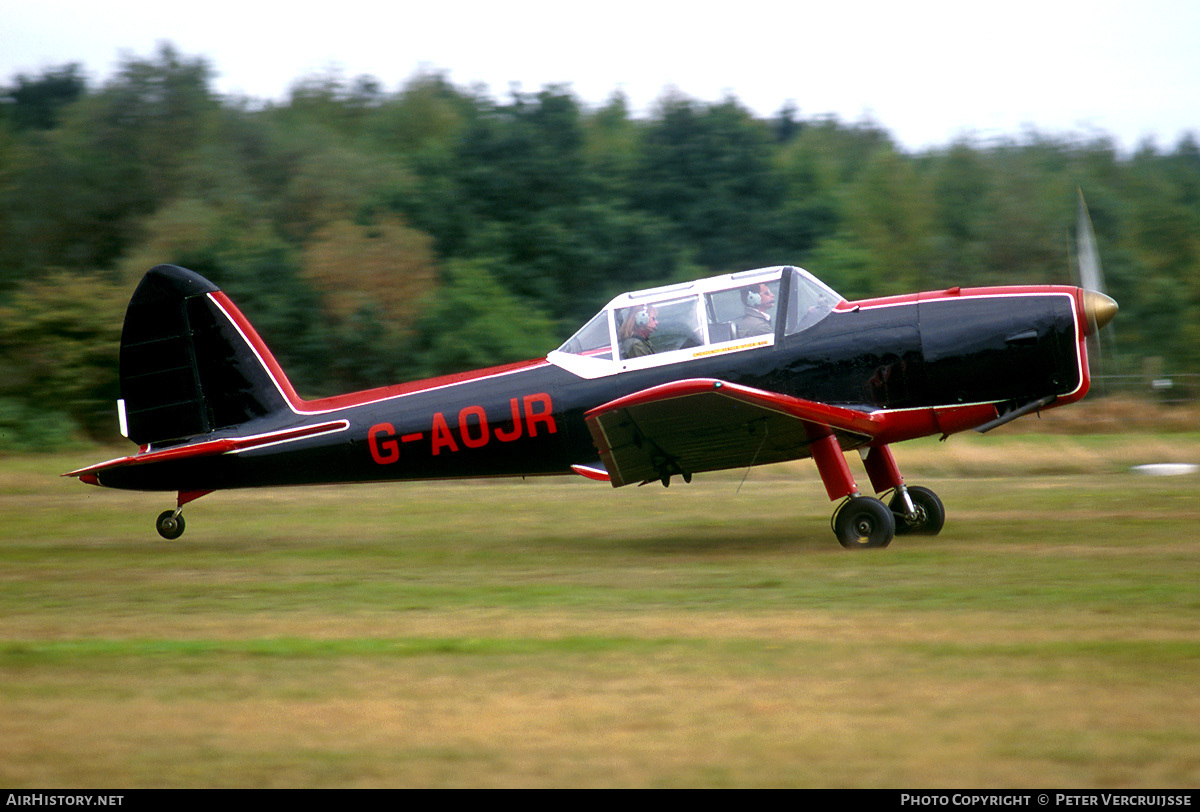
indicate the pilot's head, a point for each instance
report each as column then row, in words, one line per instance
column 645, row 320
column 758, row 296
column 639, row 321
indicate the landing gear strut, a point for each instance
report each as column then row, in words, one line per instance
column 926, row 516
column 170, row 523
column 860, row 521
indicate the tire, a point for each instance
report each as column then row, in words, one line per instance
column 864, row 522
column 169, row 525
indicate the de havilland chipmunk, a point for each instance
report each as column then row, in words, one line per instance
column 731, row 371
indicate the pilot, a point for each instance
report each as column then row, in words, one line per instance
column 634, row 335
column 758, row 300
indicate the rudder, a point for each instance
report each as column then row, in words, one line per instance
column 185, row 367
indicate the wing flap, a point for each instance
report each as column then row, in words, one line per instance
column 704, row 424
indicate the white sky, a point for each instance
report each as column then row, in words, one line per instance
column 926, row 70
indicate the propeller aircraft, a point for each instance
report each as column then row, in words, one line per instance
column 732, row 371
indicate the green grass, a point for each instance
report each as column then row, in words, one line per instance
column 562, row 633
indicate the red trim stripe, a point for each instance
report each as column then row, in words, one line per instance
column 821, row 413
column 329, row 404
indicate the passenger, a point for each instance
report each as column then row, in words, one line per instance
column 634, row 335
column 758, row 300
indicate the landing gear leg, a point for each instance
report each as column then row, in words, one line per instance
column 917, row 510
column 170, row 523
column 860, row 521
column 924, row 516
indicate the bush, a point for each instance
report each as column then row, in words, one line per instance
column 23, row 428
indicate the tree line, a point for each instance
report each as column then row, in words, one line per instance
column 374, row 236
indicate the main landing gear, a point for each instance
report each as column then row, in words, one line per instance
column 864, row 521
column 170, row 523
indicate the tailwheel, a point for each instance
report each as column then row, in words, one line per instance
column 928, row 514
column 863, row 521
column 170, row 524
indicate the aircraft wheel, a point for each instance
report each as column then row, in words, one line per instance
column 862, row 522
column 169, row 525
column 931, row 515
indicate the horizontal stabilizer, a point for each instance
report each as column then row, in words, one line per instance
column 211, row 448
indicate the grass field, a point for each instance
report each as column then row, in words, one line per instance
column 562, row 633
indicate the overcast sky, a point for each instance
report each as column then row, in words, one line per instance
column 928, row 71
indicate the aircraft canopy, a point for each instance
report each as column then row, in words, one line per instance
column 693, row 319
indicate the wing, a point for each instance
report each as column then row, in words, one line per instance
column 703, row 424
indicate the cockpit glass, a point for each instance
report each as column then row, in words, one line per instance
column 726, row 311
column 810, row 301
column 593, row 340
column 742, row 312
column 658, row 327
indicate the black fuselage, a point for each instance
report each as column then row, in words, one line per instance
column 1002, row 346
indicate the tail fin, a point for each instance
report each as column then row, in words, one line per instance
column 190, row 363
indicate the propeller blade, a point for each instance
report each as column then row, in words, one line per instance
column 1091, row 275
column 1098, row 307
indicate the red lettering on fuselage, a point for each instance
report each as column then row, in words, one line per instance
column 546, row 415
column 442, row 438
column 464, row 427
column 515, row 432
column 474, row 430
column 387, row 451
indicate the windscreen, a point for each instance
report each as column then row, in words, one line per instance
column 809, row 301
column 592, row 340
